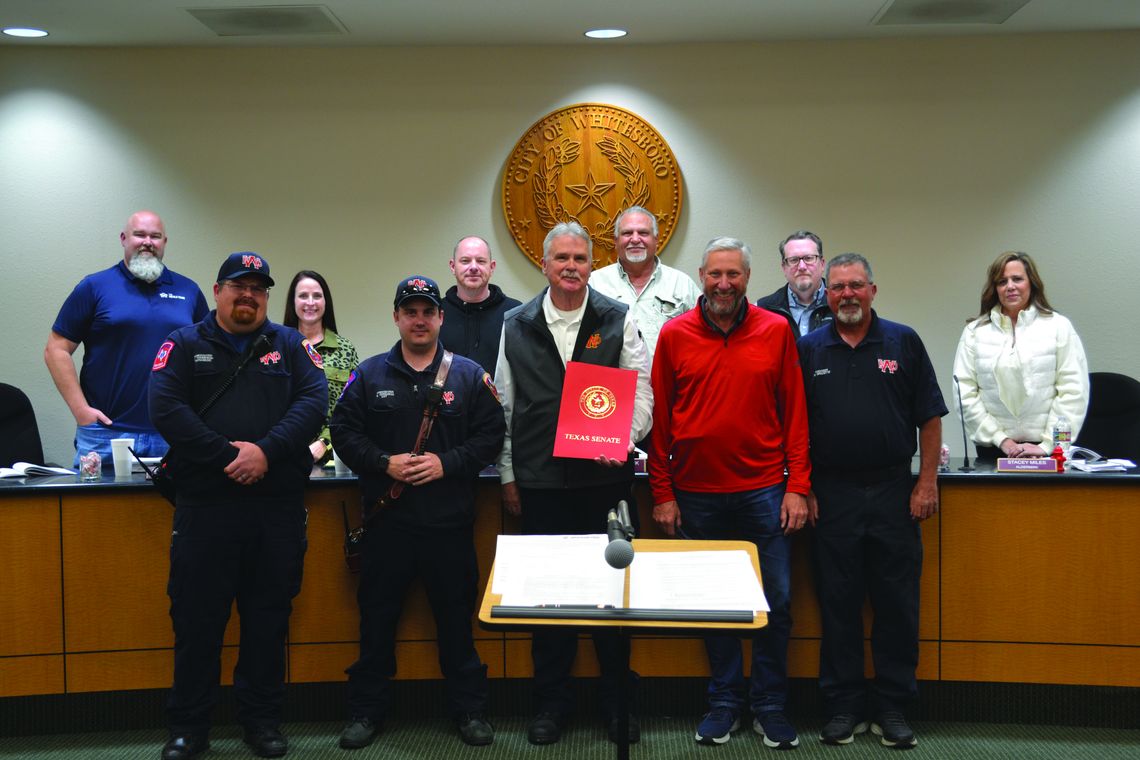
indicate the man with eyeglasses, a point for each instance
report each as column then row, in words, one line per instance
column 239, row 518
column 121, row 315
column 802, row 301
column 870, row 386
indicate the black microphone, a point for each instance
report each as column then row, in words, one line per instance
column 619, row 551
column 962, row 418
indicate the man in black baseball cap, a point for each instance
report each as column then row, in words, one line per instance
column 244, row 263
column 417, row 286
column 239, row 398
column 424, row 527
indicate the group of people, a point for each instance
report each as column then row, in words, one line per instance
column 830, row 404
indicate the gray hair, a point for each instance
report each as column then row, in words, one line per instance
column 728, row 244
column 847, row 259
column 567, row 228
column 635, row 210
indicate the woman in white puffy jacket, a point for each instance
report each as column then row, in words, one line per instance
column 1020, row 365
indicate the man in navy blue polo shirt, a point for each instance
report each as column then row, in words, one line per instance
column 870, row 386
column 121, row 316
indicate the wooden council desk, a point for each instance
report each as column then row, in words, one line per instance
column 1027, row 579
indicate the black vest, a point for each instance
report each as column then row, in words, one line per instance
column 536, row 377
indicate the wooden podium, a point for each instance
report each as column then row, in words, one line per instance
column 612, row 618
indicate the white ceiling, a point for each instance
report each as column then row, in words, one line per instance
column 545, row 22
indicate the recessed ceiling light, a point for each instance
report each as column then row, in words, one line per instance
column 16, row 31
column 606, row 34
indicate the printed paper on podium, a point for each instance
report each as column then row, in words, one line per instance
column 717, row 580
column 596, row 412
column 536, row 570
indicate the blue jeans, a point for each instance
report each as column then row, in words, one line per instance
column 750, row 516
column 97, row 437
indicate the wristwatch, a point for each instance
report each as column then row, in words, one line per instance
column 385, row 460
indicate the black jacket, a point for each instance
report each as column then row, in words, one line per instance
column 277, row 401
column 537, row 374
column 473, row 329
column 778, row 302
column 379, row 413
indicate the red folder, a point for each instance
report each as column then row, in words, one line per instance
column 596, row 412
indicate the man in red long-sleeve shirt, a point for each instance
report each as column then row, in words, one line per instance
column 728, row 418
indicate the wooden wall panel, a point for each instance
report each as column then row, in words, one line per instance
column 24, row 676
column 117, row 671
column 1041, row 563
column 1024, row 581
column 1041, row 663
column 31, row 589
column 314, row 663
column 325, row 610
column 116, row 560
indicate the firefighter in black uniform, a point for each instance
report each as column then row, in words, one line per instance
column 239, row 519
column 427, row 531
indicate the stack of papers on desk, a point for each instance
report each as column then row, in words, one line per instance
column 1104, row 465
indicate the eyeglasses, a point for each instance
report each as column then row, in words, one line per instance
column 838, row 287
column 795, row 261
column 258, row 291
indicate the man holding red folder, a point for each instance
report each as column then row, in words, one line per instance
column 568, row 321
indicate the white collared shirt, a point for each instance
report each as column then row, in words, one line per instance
column 668, row 293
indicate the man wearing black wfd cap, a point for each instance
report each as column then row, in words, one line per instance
column 418, row 494
column 241, row 466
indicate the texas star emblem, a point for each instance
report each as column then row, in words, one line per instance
column 597, row 402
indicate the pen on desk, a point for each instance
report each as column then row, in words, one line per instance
column 575, row 606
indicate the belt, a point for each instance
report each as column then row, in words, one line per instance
column 863, row 475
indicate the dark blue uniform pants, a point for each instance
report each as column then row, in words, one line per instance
column 866, row 544
column 553, row 650
column 252, row 552
column 445, row 561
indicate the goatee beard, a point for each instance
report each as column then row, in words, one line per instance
column 145, row 267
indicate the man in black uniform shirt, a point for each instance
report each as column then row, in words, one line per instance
column 427, row 530
column 869, row 386
column 239, row 519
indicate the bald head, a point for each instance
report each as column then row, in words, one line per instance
column 144, row 244
column 472, row 265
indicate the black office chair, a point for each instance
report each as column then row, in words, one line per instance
column 1112, row 426
column 19, row 434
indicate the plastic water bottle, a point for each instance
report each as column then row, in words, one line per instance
column 1063, row 434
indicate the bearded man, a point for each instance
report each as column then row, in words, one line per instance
column 121, row 315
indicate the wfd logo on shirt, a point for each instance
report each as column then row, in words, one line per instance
column 888, row 365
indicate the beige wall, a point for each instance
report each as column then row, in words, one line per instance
column 929, row 156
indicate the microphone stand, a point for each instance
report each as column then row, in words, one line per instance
column 962, row 418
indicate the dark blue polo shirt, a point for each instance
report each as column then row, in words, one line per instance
column 121, row 321
column 866, row 403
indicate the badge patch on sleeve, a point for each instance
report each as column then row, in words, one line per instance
column 162, row 355
column 314, row 357
column 487, row 381
column 351, row 380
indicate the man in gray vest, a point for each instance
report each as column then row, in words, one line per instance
column 568, row 321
